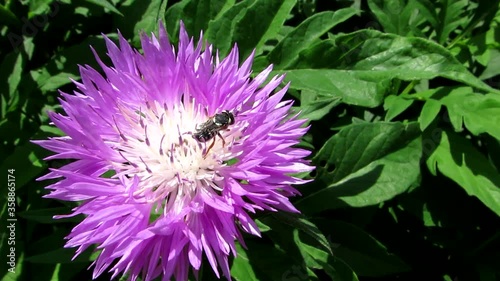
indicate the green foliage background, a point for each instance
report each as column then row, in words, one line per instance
column 404, row 105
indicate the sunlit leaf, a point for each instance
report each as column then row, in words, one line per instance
column 477, row 112
column 249, row 23
column 241, row 268
column 429, row 112
column 396, row 16
column 140, row 16
column 457, row 159
column 301, row 37
column 352, row 87
column 365, row 164
column 395, row 105
column 389, row 56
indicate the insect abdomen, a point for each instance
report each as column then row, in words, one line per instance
column 203, row 136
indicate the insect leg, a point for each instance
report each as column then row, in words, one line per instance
column 210, row 147
column 222, row 138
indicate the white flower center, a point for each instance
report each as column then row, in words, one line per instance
column 157, row 146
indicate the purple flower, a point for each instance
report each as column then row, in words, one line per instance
column 185, row 177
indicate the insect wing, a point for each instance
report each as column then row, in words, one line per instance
column 205, row 125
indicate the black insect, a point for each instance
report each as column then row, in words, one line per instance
column 212, row 127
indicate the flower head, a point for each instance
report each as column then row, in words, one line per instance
column 194, row 145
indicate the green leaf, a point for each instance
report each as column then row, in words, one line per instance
column 389, row 56
column 316, row 259
column 395, row 16
column 197, row 16
column 493, row 67
column 444, row 16
column 479, row 113
column 198, row 13
column 17, row 274
column 64, row 65
column 50, row 83
column 220, row 30
column 249, row 24
column 173, row 15
column 432, row 206
column 40, row 7
column 299, row 222
column 16, row 71
column 306, row 33
column 395, row 105
column 7, row 17
column 313, row 106
column 262, row 226
column 458, row 160
column 366, row 255
column 11, row 67
column 338, row 269
column 242, row 269
column 451, row 17
column 429, row 112
column 261, row 21
column 427, row 10
column 482, row 29
column 493, row 151
column 140, row 16
column 105, row 4
column 365, row 164
column 361, row 88
column 27, row 162
column 273, row 263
